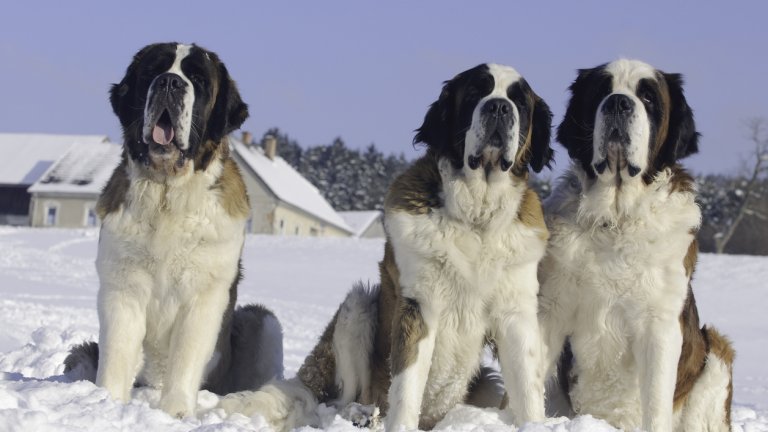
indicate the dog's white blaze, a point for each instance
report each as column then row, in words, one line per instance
column 503, row 77
column 184, row 127
column 626, row 74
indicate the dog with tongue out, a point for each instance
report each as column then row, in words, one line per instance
column 162, row 133
column 168, row 120
column 173, row 218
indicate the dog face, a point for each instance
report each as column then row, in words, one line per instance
column 176, row 103
column 626, row 118
column 489, row 117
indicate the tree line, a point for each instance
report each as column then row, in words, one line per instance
column 734, row 207
column 349, row 179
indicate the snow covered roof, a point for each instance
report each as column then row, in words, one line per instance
column 25, row 157
column 83, row 169
column 360, row 220
column 287, row 184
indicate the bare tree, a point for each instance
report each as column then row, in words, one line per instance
column 755, row 167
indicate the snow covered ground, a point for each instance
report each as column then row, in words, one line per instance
column 48, row 290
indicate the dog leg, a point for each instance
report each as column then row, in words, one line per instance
column 520, row 360
column 193, row 340
column 413, row 333
column 657, row 353
column 122, row 326
column 556, row 319
column 516, row 329
column 353, row 344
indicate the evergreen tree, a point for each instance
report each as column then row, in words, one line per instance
column 349, row 179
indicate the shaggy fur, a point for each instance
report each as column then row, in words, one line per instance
column 256, row 349
column 173, row 225
column 464, row 238
column 616, row 281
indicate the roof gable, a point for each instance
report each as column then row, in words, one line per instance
column 287, row 184
column 84, row 169
column 25, row 157
column 360, row 220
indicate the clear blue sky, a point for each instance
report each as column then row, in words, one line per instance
column 367, row 71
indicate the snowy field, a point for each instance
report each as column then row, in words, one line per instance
column 48, row 290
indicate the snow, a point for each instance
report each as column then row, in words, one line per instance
column 360, row 220
column 287, row 184
column 84, row 169
column 26, row 156
column 48, row 288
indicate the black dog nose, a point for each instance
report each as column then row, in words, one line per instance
column 170, row 81
column 497, row 107
column 618, row 104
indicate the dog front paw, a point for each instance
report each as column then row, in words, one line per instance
column 362, row 416
column 176, row 405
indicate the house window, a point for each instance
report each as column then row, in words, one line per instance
column 313, row 232
column 91, row 220
column 282, row 226
column 51, row 214
column 297, row 230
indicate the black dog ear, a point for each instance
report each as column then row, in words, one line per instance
column 229, row 111
column 541, row 131
column 576, row 130
column 682, row 138
column 432, row 130
column 435, row 132
column 118, row 93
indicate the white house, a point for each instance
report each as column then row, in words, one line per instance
column 283, row 202
column 365, row 223
column 67, row 173
column 66, row 194
column 24, row 158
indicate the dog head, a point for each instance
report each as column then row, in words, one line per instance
column 489, row 117
column 176, row 103
column 627, row 120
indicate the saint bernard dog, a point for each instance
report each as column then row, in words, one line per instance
column 465, row 235
column 173, row 225
column 616, row 281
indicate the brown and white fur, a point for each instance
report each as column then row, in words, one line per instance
column 616, row 281
column 464, row 238
column 173, row 225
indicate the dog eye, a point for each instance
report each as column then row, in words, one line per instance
column 197, row 79
column 646, row 97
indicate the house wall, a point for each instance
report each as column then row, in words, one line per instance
column 263, row 203
column 374, row 230
column 267, row 211
column 71, row 212
column 268, row 215
column 291, row 221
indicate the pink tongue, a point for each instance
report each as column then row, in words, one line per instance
column 162, row 135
